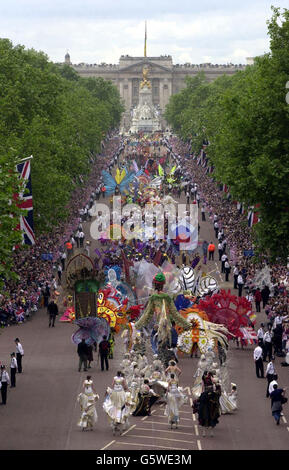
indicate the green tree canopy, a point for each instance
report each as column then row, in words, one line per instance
column 245, row 117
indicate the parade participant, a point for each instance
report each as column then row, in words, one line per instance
column 209, row 409
column 115, row 401
column 175, row 399
column 233, row 395
column 173, row 369
column 146, row 398
column 87, row 401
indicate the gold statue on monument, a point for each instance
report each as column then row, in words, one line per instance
column 145, row 81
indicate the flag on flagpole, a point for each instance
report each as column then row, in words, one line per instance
column 25, row 201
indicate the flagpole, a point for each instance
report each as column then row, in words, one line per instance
column 145, row 44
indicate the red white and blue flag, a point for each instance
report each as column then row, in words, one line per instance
column 25, row 201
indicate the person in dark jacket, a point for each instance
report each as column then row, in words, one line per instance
column 82, row 351
column 265, row 293
column 52, row 311
column 103, row 349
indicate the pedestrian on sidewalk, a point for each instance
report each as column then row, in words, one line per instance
column 103, row 350
column 258, row 358
column 19, row 355
column 52, row 311
column 5, row 381
column 13, row 369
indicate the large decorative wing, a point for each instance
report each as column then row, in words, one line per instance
column 161, row 170
column 109, row 182
column 126, row 181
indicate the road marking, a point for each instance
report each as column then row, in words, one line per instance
column 149, row 445
column 199, row 445
column 165, row 417
column 287, row 429
column 284, row 419
column 165, row 430
column 165, row 424
column 160, row 438
column 112, row 442
column 194, row 417
column 196, row 430
column 133, row 426
column 143, row 419
column 191, row 401
column 153, row 412
column 187, row 412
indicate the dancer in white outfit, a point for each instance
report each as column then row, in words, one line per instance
column 87, row 401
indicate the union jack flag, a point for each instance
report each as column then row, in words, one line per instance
column 25, row 201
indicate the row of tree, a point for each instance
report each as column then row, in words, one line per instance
column 245, row 117
column 50, row 112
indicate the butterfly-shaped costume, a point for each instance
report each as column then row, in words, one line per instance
column 121, row 181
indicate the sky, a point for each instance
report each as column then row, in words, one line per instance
column 96, row 31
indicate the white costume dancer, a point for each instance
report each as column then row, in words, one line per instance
column 198, row 387
column 175, row 399
column 227, row 404
column 87, row 401
column 115, row 403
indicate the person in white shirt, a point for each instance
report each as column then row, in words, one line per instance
column 227, row 270
column 272, row 383
column 5, row 381
column 19, row 354
column 81, row 238
column 236, row 274
column 267, row 339
column 240, row 282
column 13, row 369
column 63, row 258
column 260, row 334
column 220, row 249
column 270, row 373
column 224, row 257
column 258, row 358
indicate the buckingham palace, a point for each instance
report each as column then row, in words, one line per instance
column 166, row 78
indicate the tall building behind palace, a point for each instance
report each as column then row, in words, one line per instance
column 166, row 78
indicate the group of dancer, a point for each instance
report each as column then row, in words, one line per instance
column 138, row 386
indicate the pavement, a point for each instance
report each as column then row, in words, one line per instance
column 42, row 411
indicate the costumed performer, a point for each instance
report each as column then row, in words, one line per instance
column 115, row 403
column 87, row 401
column 175, row 399
column 146, row 398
